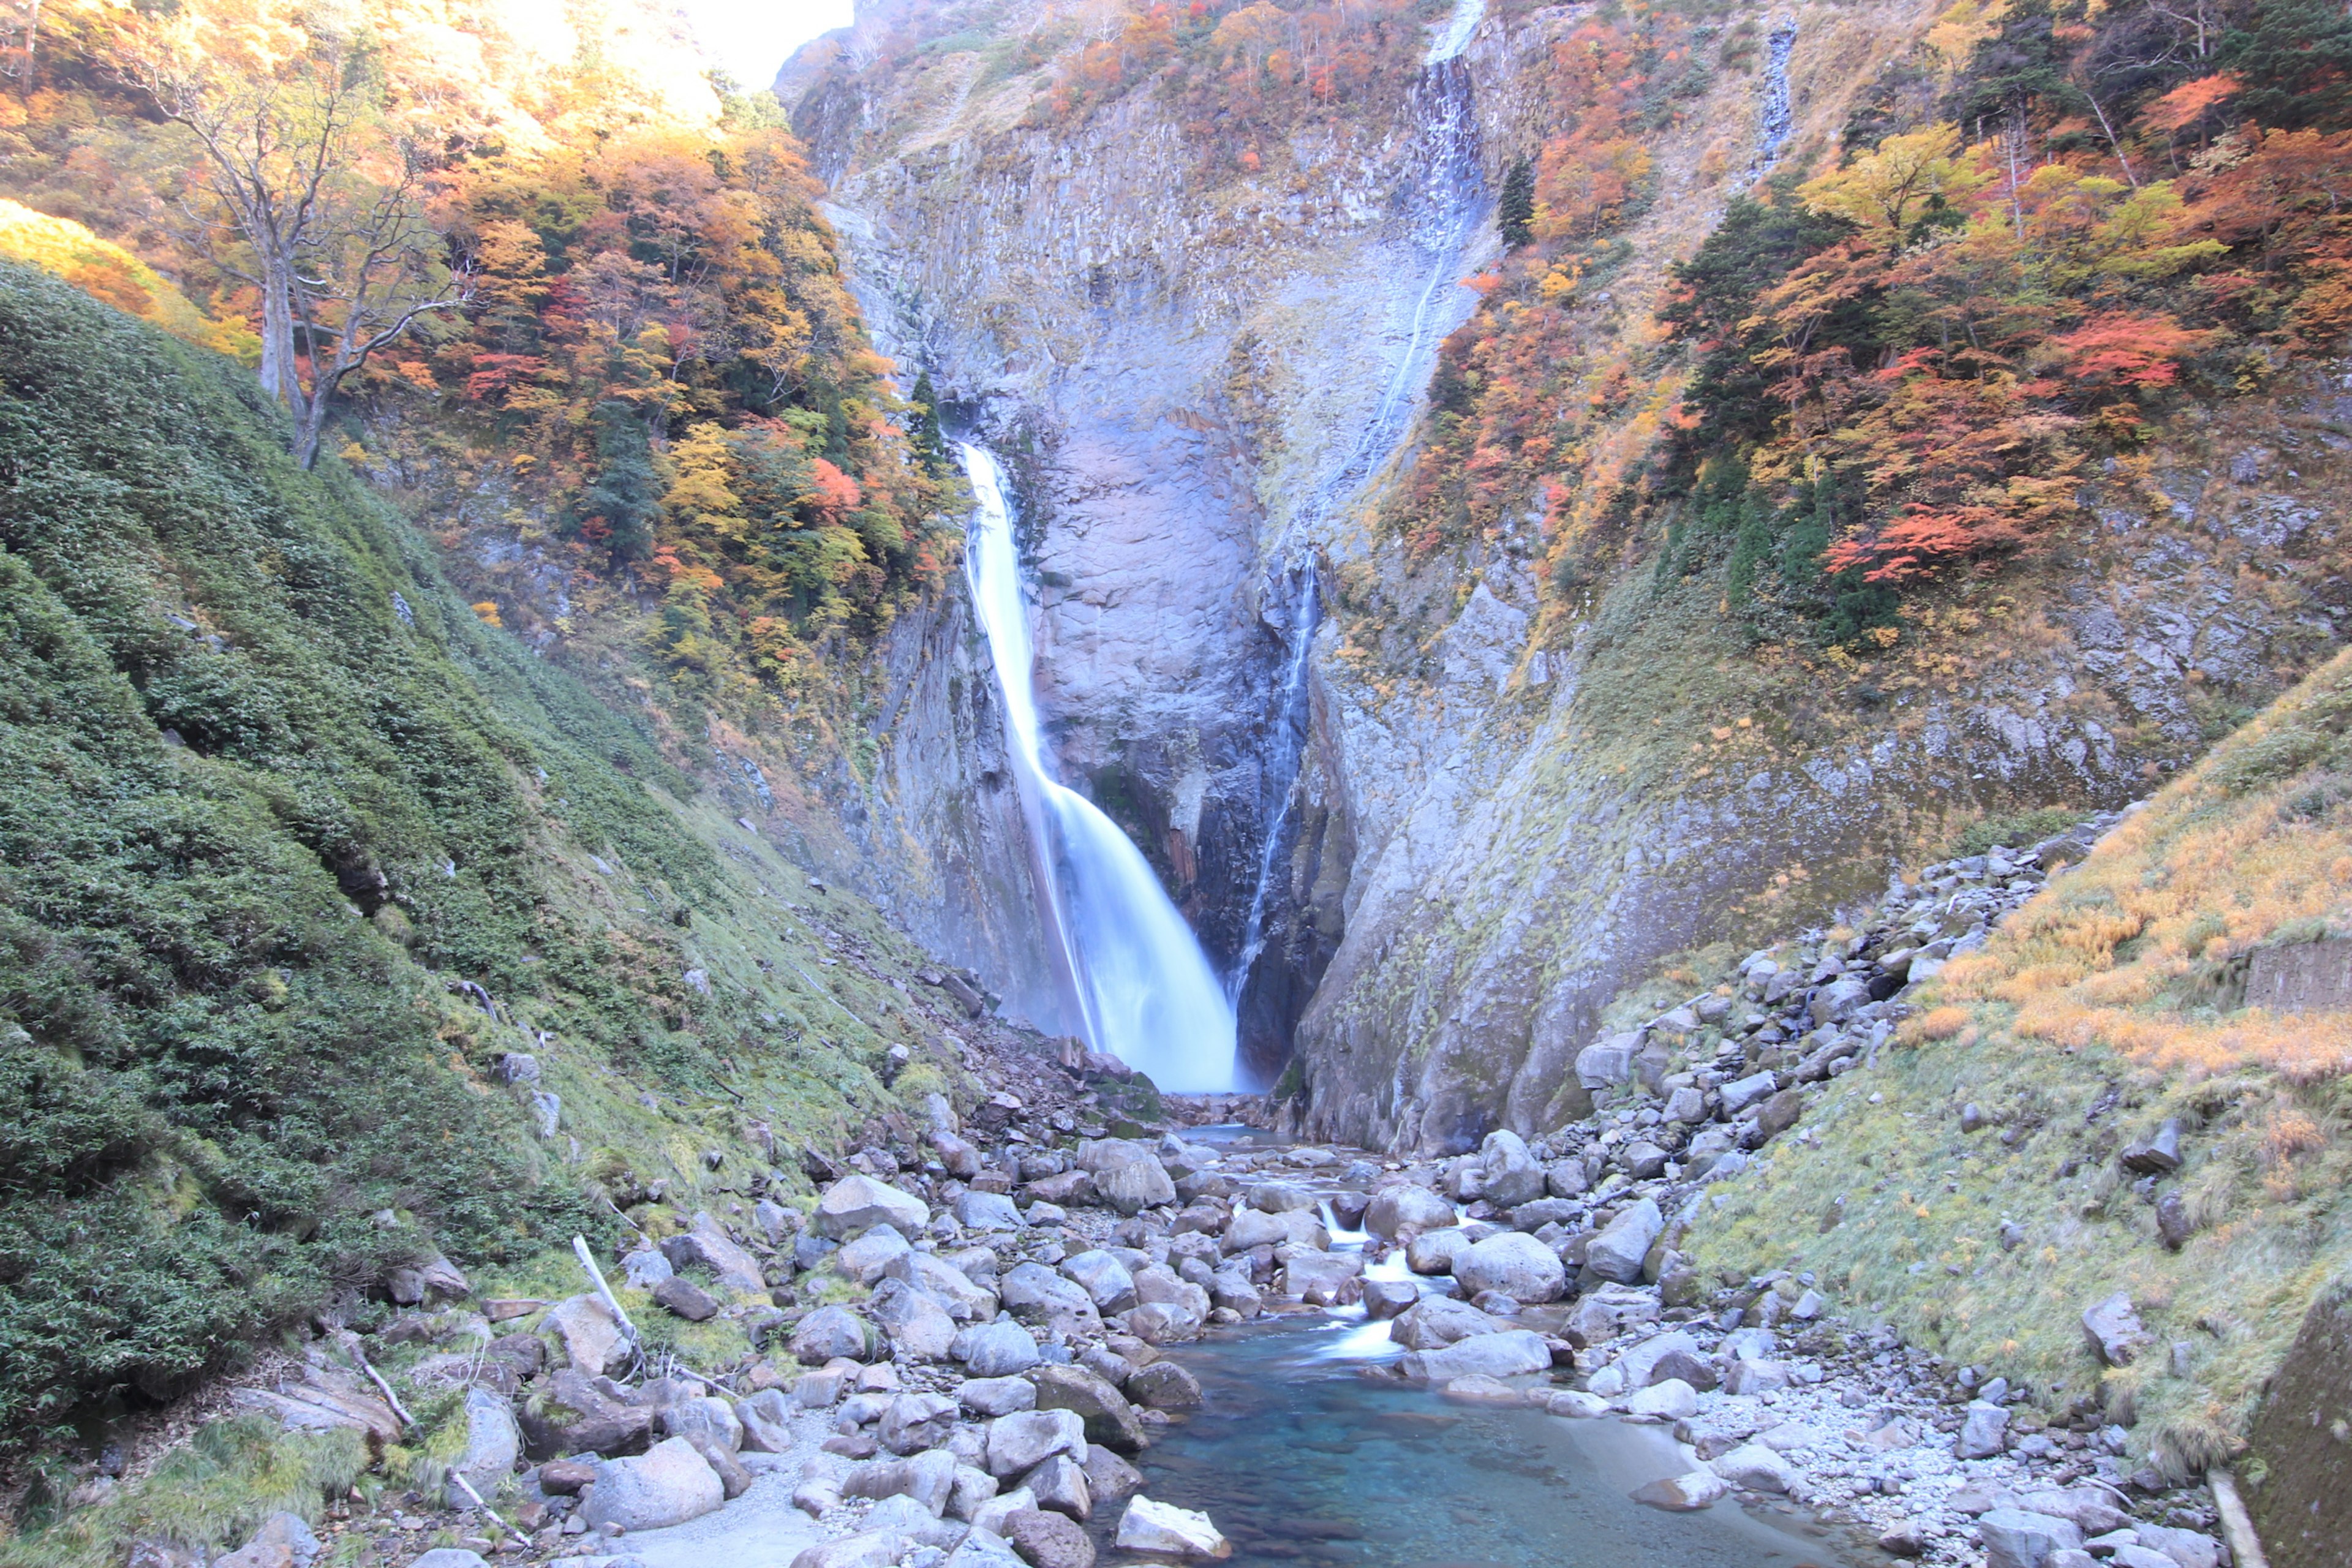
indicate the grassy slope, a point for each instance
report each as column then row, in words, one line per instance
column 212, row 1070
column 2103, row 1006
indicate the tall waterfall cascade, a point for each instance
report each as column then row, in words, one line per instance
column 1142, row 987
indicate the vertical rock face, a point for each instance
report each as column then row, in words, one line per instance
column 1514, row 797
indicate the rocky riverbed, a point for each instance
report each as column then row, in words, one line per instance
column 965, row 1348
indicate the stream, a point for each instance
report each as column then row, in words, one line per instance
column 1300, row 1459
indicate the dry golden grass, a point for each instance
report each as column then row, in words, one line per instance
column 2111, row 1002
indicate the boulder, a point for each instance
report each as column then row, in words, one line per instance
column 830, row 1332
column 711, row 1425
column 1021, row 1442
column 707, row 1246
column 1321, row 1277
column 865, row 1259
column 668, row 1484
column 1576, row 1404
column 1049, row 1539
column 988, row 1211
column 966, row 1302
column 1755, row 1468
column 1511, row 1175
column 1640, row 1365
column 1670, row 1399
column 1165, row 1385
column 493, row 1444
column 1280, row 1197
column 589, row 1335
column 1401, row 1208
column 1611, row 1309
column 1060, row 1485
column 1109, row 1418
column 1433, row 1251
column 1617, row 1253
column 1170, row 1531
column 1229, row 1289
column 2015, row 1538
column 2157, row 1156
column 1741, row 1093
column 1109, row 1478
column 284, row 1541
column 867, row 1549
column 1254, row 1228
column 918, row 1326
column 1608, row 1062
column 571, row 1415
column 993, row 1396
column 927, row 1478
column 1984, row 1431
column 1513, row 1263
column 995, row 1350
column 766, row 1418
column 1135, row 1184
column 1034, row 1293
column 1508, row 1354
column 857, row 1203
column 1072, row 1189
column 2114, row 1331
column 1684, row 1493
column 1440, row 1321
column 915, row 1422
column 1105, row 1280
column 1385, row 1299
column 685, row 1298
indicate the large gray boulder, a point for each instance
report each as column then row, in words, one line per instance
column 589, row 1335
column 993, row 1396
column 927, row 1478
column 1618, row 1251
column 766, row 1418
column 831, row 1332
column 865, row 1259
column 1104, row 1279
column 1513, row 1263
column 493, row 1444
column 1504, row 1354
column 1433, row 1251
column 2114, row 1331
column 1255, row 1228
column 1110, row 1419
column 1403, row 1206
column 1021, row 1441
column 918, row 1326
column 995, row 1350
column 1511, row 1175
column 857, row 1203
column 667, row 1484
column 708, row 1246
column 916, row 1422
column 966, row 1302
column 1035, row 1294
column 988, row 1211
column 1984, row 1431
column 1127, row 1177
column 1436, row 1321
column 2015, row 1538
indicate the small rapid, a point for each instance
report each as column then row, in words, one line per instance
column 1143, row 990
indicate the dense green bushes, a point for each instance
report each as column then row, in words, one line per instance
column 215, row 1067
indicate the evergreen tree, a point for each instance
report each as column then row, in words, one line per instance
column 1801, row 551
column 923, row 426
column 625, row 496
column 2295, row 59
column 1748, row 552
column 1515, row 214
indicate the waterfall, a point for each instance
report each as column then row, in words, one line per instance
column 1142, row 985
column 1455, row 37
column 1286, row 748
column 1778, row 118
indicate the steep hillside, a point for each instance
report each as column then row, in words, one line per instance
column 340, row 932
column 2136, row 1085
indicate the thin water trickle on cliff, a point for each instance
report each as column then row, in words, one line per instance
column 1285, row 747
column 1142, row 987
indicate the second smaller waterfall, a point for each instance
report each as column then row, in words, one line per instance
column 1143, row 987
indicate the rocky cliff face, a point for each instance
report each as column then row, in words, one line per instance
column 1513, row 800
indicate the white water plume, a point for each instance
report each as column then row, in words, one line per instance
column 1143, row 987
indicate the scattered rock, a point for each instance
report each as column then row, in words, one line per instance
column 1170, row 1532
column 1049, row 1539
column 685, row 1298
column 668, row 1484
column 1983, row 1431
column 2114, row 1331
column 1513, row 1263
column 1685, row 1493
column 856, row 1203
column 2157, row 1156
column 284, row 1541
column 2015, row 1538
column 1617, row 1253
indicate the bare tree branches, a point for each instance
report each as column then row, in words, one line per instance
column 301, row 190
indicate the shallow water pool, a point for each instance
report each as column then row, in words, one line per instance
column 1301, row 1462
